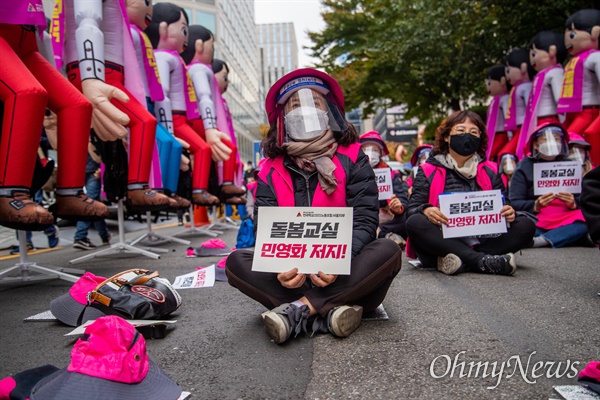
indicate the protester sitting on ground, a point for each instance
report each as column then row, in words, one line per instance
column 560, row 222
column 314, row 160
column 419, row 156
column 579, row 150
column 392, row 218
column 506, row 169
column 458, row 164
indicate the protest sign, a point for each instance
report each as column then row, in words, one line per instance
column 311, row 239
column 554, row 177
column 472, row 213
column 383, row 177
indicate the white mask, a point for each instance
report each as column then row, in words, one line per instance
column 549, row 150
column 374, row 156
column 306, row 123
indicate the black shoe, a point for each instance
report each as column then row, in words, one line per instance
column 500, row 265
column 84, row 244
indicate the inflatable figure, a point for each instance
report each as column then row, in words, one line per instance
column 139, row 13
column 221, row 71
column 580, row 94
column 29, row 84
column 199, row 56
column 519, row 74
column 495, row 82
column 546, row 55
column 100, row 60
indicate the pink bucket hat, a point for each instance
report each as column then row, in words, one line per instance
column 108, row 361
column 68, row 307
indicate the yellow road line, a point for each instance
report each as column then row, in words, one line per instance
column 31, row 253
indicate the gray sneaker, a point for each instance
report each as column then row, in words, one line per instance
column 343, row 320
column 284, row 320
column 450, row 264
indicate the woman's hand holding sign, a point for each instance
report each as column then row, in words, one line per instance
column 321, row 279
column 435, row 215
column 291, row 279
column 568, row 199
column 543, row 201
column 508, row 213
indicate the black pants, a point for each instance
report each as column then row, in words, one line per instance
column 372, row 273
column 396, row 225
column 427, row 240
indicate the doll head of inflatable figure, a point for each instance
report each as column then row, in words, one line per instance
column 582, row 30
column 495, row 81
column 201, row 46
column 139, row 12
column 546, row 50
column 169, row 27
column 518, row 69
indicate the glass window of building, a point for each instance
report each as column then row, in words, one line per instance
column 207, row 20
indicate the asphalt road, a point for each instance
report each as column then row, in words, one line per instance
column 548, row 312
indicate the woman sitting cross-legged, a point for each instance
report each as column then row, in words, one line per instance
column 458, row 164
column 314, row 160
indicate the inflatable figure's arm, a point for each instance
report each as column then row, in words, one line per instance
column 556, row 84
column 206, row 106
column 162, row 108
column 107, row 120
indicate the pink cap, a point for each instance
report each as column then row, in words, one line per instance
column 373, row 136
column 84, row 285
column 591, row 371
column 111, row 349
column 298, row 79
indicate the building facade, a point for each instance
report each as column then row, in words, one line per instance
column 277, row 52
column 232, row 23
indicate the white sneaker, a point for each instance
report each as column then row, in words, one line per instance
column 344, row 320
column 450, row 264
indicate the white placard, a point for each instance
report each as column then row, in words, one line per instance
column 204, row 277
column 80, row 330
column 554, row 177
column 311, row 239
column 472, row 213
column 383, row 177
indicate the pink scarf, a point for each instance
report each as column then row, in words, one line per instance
column 571, row 95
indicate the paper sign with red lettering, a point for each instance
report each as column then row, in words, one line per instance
column 554, row 177
column 311, row 239
column 472, row 213
column 383, row 177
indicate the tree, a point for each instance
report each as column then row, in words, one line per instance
column 428, row 54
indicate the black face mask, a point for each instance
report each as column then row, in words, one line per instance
column 465, row 144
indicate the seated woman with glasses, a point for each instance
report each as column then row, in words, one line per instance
column 457, row 164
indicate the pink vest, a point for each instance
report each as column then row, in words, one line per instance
column 284, row 187
column 439, row 179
